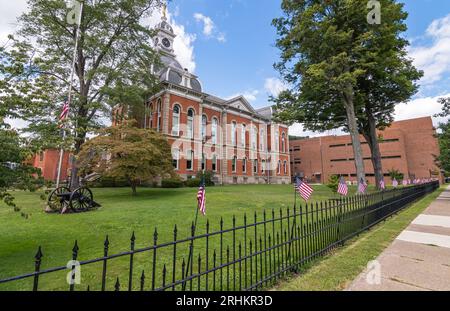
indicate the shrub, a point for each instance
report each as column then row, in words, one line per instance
column 172, row 183
column 333, row 182
column 192, row 182
column 395, row 174
column 209, row 177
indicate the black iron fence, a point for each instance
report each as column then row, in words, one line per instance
column 252, row 254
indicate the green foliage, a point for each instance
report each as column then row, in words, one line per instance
column 445, row 102
column 443, row 159
column 127, row 152
column 113, row 64
column 208, row 176
column 172, row 183
column 395, row 174
column 192, row 182
column 15, row 172
column 333, row 183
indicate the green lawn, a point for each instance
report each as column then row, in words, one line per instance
column 120, row 215
column 339, row 268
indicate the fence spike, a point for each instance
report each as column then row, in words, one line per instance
column 75, row 250
column 155, row 236
column 133, row 239
column 117, row 285
column 142, row 280
column 39, row 254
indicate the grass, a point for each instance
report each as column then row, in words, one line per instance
column 120, row 215
column 339, row 268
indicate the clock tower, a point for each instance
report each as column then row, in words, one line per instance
column 165, row 36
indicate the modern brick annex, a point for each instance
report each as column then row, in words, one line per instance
column 408, row 146
column 231, row 138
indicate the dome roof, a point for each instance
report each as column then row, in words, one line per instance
column 166, row 26
column 170, row 62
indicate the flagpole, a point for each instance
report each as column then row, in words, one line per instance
column 69, row 97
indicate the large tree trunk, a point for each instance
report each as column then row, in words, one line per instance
column 354, row 133
column 370, row 134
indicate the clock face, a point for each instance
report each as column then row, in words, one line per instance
column 166, row 42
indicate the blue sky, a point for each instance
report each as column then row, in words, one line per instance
column 229, row 44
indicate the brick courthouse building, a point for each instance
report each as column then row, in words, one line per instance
column 228, row 136
column 408, row 146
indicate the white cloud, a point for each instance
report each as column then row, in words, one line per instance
column 183, row 43
column 274, row 86
column 9, row 13
column 209, row 28
column 420, row 107
column 434, row 59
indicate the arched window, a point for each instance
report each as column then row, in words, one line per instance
column 255, row 166
column 283, row 143
column 233, row 133
column 243, row 133
column 204, row 124
column 233, row 164
column 158, row 121
column 190, row 124
column 261, row 140
column 203, row 162
column 176, row 120
column 279, row 166
column 244, row 165
column 215, row 124
column 285, row 168
column 263, row 165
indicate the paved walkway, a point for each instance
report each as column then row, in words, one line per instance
column 419, row 259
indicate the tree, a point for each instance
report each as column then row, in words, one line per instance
column 128, row 152
column 343, row 71
column 15, row 172
column 443, row 160
column 112, row 66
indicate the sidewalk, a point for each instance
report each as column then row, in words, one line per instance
column 419, row 258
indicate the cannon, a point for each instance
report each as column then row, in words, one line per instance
column 62, row 199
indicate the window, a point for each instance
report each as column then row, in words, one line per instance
column 233, row 133
column 254, row 137
column 279, row 166
column 215, row 123
column 233, row 164
column 190, row 124
column 41, row 156
column 263, row 165
column 283, row 143
column 261, row 140
column 203, row 162
column 176, row 158
column 243, row 132
column 176, row 121
column 255, row 166
column 158, row 122
column 276, row 138
column 214, row 163
column 285, row 168
column 204, row 124
column 190, row 161
column 244, row 165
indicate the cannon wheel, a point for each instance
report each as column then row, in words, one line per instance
column 55, row 202
column 81, row 199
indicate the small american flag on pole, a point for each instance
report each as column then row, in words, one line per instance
column 303, row 189
column 362, row 186
column 382, row 185
column 405, row 182
column 395, row 183
column 64, row 113
column 342, row 187
column 201, row 197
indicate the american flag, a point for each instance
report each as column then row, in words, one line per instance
column 362, row 186
column 405, row 182
column 382, row 185
column 64, row 113
column 342, row 187
column 201, row 197
column 303, row 189
column 395, row 183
